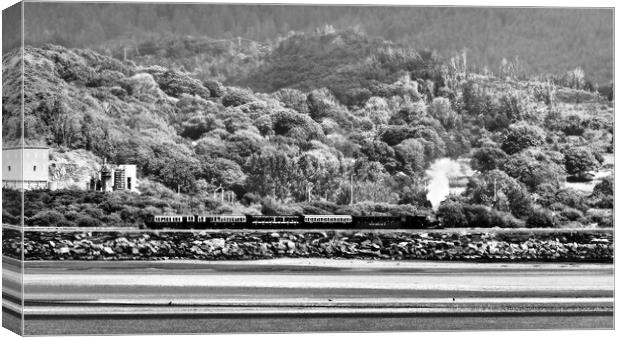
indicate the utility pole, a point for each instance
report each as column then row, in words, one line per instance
column 309, row 190
column 494, row 192
column 351, row 189
column 124, row 53
column 178, row 189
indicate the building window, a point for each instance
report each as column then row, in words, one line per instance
column 34, row 168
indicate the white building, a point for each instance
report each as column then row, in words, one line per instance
column 115, row 178
column 25, row 168
column 125, row 178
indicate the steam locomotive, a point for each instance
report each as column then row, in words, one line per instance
column 326, row 222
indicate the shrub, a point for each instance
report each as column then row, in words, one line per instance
column 441, row 110
column 175, row 83
column 216, row 89
column 520, row 136
column 86, row 221
column 293, row 99
column 452, row 214
column 571, row 214
column 237, row 96
column 486, row 217
column 533, row 168
column 540, row 218
column 487, row 158
column 603, row 218
column 46, row 218
column 580, row 160
column 605, row 187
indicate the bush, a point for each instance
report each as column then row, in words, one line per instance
column 603, row 218
column 571, row 214
column 175, row 83
column 9, row 218
column 486, row 217
column 237, row 96
column 87, row 221
column 487, row 158
column 216, row 89
column 533, row 168
column 605, row 187
column 250, row 198
column 540, row 218
column 580, row 160
column 520, row 136
column 46, row 218
column 293, row 99
column 452, row 214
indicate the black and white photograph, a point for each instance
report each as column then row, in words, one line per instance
column 233, row 168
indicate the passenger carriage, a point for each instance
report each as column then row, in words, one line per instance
column 174, row 221
column 274, row 221
column 328, row 221
column 222, row 221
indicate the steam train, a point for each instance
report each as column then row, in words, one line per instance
column 326, row 222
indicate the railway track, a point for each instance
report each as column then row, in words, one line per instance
column 298, row 230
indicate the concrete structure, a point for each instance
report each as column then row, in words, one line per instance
column 25, row 168
column 125, row 177
column 114, row 178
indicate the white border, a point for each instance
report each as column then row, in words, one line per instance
column 519, row 3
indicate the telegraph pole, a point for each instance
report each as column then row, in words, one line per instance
column 494, row 192
column 309, row 190
column 351, row 189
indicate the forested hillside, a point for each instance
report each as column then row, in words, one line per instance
column 546, row 40
column 363, row 114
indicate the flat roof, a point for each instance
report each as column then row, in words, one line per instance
column 26, row 148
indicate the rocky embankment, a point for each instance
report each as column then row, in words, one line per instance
column 500, row 246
